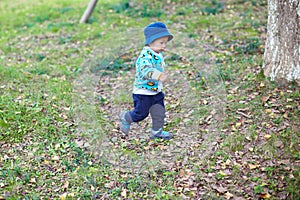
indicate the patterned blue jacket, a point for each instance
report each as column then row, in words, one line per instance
column 149, row 67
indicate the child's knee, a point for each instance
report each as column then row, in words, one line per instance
column 157, row 111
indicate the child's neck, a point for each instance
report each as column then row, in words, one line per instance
column 154, row 49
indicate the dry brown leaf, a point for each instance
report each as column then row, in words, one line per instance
column 63, row 196
column 92, row 188
column 265, row 196
column 219, row 189
column 262, row 85
column 66, row 185
column 265, row 98
column 32, row 180
column 238, row 124
column 251, row 166
column 55, row 158
column 278, row 144
column 124, row 193
column 267, row 136
column 228, row 195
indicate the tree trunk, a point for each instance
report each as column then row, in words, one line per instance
column 88, row 11
column 282, row 49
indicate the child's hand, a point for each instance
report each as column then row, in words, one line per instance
column 163, row 77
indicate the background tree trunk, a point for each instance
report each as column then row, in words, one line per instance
column 281, row 57
column 88, row 11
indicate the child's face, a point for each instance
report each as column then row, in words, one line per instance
column 159, row 44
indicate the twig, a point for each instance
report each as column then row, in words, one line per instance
column 241, row 113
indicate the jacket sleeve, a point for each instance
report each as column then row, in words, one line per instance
column 147, row 71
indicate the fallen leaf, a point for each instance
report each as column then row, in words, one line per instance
column 265, row 196
column 124, row 193
column 228, row 162
column 66, row 185
column 233, row 128
column 64, row 116
column 219, row 189
column 45, row 162
column 32, row 180
column 79, row 143
column 92, row 188
column 55, row 158
column 228, row 195
column 181, row 173
column 71, row 195
column 63, row 196
column 278, row 144
column 251, row 166
column 267, row 136
column 57, row 146
column 222, row 173
column 265, row 98
column 268, row 110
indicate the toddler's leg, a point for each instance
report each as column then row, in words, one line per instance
column 158, row 115
column 142, row 104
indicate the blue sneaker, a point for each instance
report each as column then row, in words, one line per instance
column 160, row 134
column 124, row 125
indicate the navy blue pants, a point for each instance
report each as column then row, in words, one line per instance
column 143, row 103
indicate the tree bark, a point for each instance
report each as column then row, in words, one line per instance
column 282, row 49
column 88, row 11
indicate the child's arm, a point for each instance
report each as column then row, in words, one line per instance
column 160, row 76
column 147, row 71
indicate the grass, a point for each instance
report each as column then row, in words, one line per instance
column 54, row 133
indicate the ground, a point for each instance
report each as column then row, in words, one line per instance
column 63, row 84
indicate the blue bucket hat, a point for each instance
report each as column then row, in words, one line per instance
column 156, row 30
